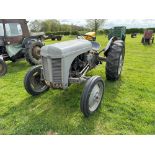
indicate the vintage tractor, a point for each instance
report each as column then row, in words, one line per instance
column 148, row 37
column 16, row 42
column 67, row 62
column 133, row 35
column 119, row 32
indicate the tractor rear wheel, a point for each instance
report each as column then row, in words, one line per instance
column 33, row 53
column 92, row 95
column 33, row 83
column 142, row 41
column 115, row 60
column 59, row 38
column 3, row 67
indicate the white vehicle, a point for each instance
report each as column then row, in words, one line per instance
column 67, row 62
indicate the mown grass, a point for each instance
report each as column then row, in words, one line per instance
column 128, row 106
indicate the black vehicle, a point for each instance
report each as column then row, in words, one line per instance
column 55, row 37
column 133, row 35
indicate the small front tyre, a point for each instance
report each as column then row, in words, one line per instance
column 33, row 82
column 92, row 95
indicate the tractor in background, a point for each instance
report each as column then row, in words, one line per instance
column 118, row 32
column 16, row 43
column 148, row 37
column 133, row 35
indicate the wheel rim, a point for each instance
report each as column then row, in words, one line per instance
column 36, row 83
column 36, row 52
column 95, row 97
column 120, row 64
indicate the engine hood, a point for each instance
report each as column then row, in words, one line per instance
column 66, row 48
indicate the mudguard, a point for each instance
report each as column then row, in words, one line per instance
column 113, row 39
column 108, row 44
column 27, row 42
column 1, row 57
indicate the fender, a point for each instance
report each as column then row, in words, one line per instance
column 109, row 44
column 111, row 41
column 29, row 40
column 1, row 57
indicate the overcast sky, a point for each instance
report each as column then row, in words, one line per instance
column 129, row 23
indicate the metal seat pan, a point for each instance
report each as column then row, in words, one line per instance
column 95, row 45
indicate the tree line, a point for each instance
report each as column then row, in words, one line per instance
column 54, row 26
column 132, row 30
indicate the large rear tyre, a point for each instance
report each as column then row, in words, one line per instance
column 33, row 83
column 92, row 95
column 32, row 55
column 3, row 68
column 142, row 41
column 115, row 60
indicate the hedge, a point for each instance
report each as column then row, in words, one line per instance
column 133, row 30
column 63, row 33
column 101, row 32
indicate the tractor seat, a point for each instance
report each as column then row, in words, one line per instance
column 95, row 45
column 13, row 49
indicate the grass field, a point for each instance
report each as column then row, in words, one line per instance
column 128, row 106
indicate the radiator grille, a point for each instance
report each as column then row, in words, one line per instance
column 45, row 68
column 52, row 69
column 56, row 70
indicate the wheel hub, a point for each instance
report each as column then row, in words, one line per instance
column 36, row 52
column 95, row 97
column 36, row 82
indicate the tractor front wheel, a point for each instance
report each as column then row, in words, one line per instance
column 3, row 67
column 92, row 95
column 33, row 82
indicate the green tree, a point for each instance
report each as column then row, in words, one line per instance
column 65, row 27
column 50, row 25
column 46, row 25
column 35, row 26
column 55, row 25
column 95, row 24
